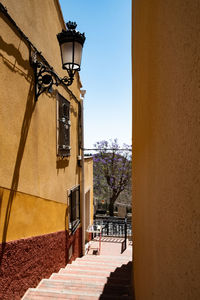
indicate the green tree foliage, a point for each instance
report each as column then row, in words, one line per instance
column 112, row 172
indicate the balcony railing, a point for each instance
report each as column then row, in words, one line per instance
column 113, row 226
column 117, row 227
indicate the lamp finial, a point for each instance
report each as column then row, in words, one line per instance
column 71, row 25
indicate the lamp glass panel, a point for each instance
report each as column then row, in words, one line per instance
column 67, row 53
column 77, row 53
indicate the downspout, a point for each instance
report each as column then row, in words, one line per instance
column 83, row 174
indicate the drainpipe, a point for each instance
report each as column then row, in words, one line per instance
column 83, row 174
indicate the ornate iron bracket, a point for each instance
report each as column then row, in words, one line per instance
column 45, row 78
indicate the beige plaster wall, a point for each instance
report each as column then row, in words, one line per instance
column 28, row 153
column 166, row 143
column 88, row 163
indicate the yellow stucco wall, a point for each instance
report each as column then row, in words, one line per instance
column 166, row 143
column 23, row 216
column 28, row 153
column 88, row 163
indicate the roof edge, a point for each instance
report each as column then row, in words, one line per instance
column 61, row 14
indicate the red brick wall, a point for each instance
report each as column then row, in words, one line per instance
column 23, row 263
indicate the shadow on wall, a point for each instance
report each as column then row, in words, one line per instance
column 30, row 106
column 11, row 50
column 61, row 164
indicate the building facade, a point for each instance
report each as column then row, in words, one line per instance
column 41, row 178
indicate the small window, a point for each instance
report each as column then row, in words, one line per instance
column 74, row 208
column 63, row 126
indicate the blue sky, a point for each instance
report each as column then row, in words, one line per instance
column 106, row 66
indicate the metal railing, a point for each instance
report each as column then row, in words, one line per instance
column 117, row 227
column 113, row 226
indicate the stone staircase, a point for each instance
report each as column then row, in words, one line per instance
column 88, row 277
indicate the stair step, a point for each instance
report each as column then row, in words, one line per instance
column 35, row 294
column 75, row 282
column 65, row 283
column 43, row 294
column 98, row 263
column 85, row 272
column 105, row 273
column 90, row 267
column 104, row 260
column 90, row 278
column 85, row 266
column 95, row 263
column 58, row 285
column 110, row 297
column 78, row 277
column 107, row 257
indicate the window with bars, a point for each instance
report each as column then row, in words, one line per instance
column 74, row 208
column 63, row 126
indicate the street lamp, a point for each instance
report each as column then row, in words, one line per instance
column 71, row 45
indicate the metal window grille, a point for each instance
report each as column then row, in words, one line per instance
column 74, row 208
column 64, row 126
